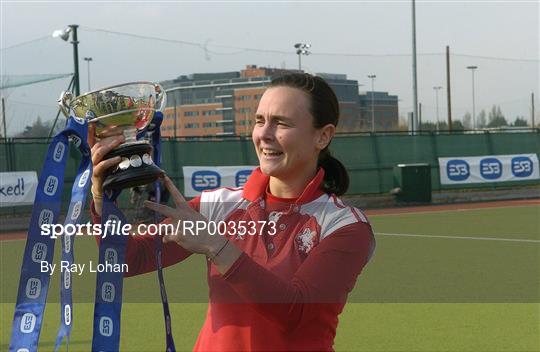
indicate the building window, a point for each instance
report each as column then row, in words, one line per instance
column 203, row 94
column 186, row 98
column 191, row 113
column 191, row 125
column 211, row 113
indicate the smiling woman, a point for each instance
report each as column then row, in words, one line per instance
column 295, row 123
column 283, row 288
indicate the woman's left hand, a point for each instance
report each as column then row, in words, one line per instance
column 196, row 242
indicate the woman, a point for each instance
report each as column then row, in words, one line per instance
column 284, row 287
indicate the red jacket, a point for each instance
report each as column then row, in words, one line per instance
column 286, row 290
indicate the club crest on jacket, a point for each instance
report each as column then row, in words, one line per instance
column 274, row 216
column 306, row 240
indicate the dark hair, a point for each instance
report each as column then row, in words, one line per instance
column 324, row 108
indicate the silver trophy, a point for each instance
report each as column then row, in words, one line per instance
column 122, row 109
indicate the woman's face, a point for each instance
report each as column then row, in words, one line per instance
column 285, row 140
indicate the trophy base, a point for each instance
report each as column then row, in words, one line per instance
column 136, row 168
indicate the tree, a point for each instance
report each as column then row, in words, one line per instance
column 520, row 122
column 496, row 118
column 457, row 125
column 442, row 126
column 427, row 126
column 481, row 119
column 497, row 121
column 39, row 129
column 467, row 121
column 403, row 124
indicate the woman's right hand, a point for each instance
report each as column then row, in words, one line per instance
column 98, row 150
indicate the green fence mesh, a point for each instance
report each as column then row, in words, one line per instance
column 369, row 158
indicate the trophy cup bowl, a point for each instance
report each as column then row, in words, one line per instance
column 121, row 109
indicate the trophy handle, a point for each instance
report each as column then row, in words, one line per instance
column 64, row 102
column 161, row 97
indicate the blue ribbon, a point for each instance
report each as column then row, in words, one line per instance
column 155, row 135
column 108, row 304
column 109, row 284
column 39, row 250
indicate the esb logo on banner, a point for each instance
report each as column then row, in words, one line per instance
column 17, row 188
column 490, row 168
column 201, row 178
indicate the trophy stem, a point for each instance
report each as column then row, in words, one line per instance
column 130, row 135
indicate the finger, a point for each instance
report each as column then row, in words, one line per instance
column 103, row 147
column 91, row 134
column 104, row 165
column 104, row 142
column 111, row 131
column 160, row 208
column 178, row 198
column 169, row 238
column 100, row 149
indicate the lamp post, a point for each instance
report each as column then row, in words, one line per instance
column 472, row 68
column 64, row 35
column 88, row 59
column 415, row 126
column 301, row 49
column 372, row 102
column 437, row 88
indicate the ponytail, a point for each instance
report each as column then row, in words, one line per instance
column 336, row 178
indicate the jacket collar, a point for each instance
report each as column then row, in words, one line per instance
column 256, row 185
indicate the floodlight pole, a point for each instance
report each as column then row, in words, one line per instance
column 88, row 59
column 4, row 120
column 75, row 43
column 6, row 147
column 372, row 102
column 532, row 110
column 437, row 88
column 472, row 68
column 301, row 49
column 414, row 78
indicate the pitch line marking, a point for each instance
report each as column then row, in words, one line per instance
column 12, row 240
column 423, row 212
column 459, row 237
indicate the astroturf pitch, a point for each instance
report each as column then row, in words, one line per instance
column 439, row 281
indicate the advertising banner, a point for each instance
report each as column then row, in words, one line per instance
column 490, row 168
column 201, row 178
column 17, row 188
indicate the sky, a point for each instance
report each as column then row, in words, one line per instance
column 353, row 38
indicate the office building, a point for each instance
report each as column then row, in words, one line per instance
column 224, row 104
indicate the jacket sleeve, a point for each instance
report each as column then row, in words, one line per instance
column 323, row 280
column 140, row 249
